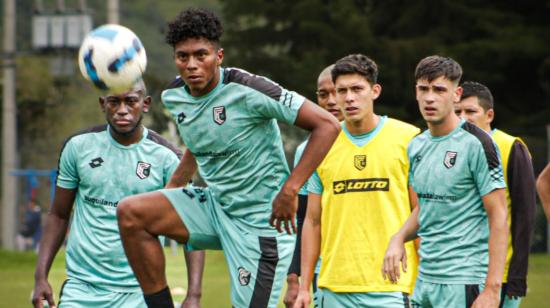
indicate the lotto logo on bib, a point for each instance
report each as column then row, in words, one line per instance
column 359, row 185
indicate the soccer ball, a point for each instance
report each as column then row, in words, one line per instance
column 112, row 57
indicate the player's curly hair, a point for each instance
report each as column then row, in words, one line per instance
column 356, row 64
column 433, row 67
column 476, row 89
column 194, row 23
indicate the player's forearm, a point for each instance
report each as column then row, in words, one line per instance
column 311, row 243
column 408, row 231
column 320, row 141
column 543, row 188
column 498, row 244
column 184, row 172
column 52, row 238
column 195, row 267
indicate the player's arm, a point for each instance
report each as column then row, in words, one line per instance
column 396, row 257
column 521, row 185
column 311, row 244
column 53, row 236
column 194, row 261
column 543, row 188
column 324, row 130
column 495, row 206
column 184, row 172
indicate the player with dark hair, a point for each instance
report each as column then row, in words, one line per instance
column 461, row 215
column 97, row 168
column 227, row 119
column 358, row 198
column 477, row 107
column 326, row 99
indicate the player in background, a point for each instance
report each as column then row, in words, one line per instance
column 477, row 107
column 97, row 168
column 227, row 119
column 326, row 99
column 543, row 188
column 358, row 198
column 461, row 215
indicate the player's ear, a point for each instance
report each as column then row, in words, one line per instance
column 376, row 91
column 458, row 94
column 219, row 56
column 146, row 103
column 490, row 115
column 102, row 103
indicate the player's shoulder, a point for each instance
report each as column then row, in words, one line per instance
column 402, row 127
column 87, row 134
column 247, row 80
column 175, row 83
column 162, row 143
column 475, row 135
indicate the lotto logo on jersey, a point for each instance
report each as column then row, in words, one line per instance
column 143, row 170
column 450, row 159
column 360, row 162
column 360, row 185
column 219, row 115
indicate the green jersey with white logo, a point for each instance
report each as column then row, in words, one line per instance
column 233, row 134
column 450, row 174
column 102, row 172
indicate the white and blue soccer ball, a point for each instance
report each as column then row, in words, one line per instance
column 113, row 58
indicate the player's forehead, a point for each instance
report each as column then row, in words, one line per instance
column 131, row 93
column 471, row 102
column 440, row 81
column 324, row 83
column 194, row 44
column 350, row 80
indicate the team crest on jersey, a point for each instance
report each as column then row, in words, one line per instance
column 143, row 170
column 181, row 117
column 244, row 276
column 450, row 159
column 219, row 114
column 360, row 162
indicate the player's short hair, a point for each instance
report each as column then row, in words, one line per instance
column 356, row 64
column 194, row 23
column 433, row 67
column 476, row 89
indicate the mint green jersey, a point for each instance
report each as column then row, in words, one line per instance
column 233, row 134
column 450, row 174
column 102, row 172
column 297, row 157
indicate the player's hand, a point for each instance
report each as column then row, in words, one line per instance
column 487, row 299
column 42, row 291
column 395, row 256
column 191, row 301
column 293, row 286
column 303, row 299
column 284, row 209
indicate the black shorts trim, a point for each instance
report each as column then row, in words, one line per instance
column 472, row 292
column 266, row 272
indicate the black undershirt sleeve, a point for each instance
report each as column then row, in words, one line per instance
column 300, row 216
column 521, row 184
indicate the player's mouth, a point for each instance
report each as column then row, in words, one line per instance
column 194, row 78
column 430, row 111
column 122, row 122
column 334, row 112
column 352, row 110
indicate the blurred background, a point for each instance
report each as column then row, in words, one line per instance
column 502, row 44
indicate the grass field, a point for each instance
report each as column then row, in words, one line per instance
column 17, row 270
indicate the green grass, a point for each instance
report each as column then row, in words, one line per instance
column 17, row 271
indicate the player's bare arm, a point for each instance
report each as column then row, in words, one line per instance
column 311, row 245
column 495, row 206
column 396, row 256
column 55, row 230
column 324, row 130
column 185, row 171
column 543, row 188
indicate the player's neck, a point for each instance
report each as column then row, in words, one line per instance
column 209, row 87
column 444, row 127
column 363, row 126
column 129, row 138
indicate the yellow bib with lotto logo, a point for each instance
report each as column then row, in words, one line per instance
column 364, row 202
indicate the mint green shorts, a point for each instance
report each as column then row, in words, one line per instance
column 329, row 299
column 257, row 264
column 76, row 293
column 428, row 294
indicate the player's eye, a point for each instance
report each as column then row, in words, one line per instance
column 341, row 91
column 356, row 89
column 322, row 94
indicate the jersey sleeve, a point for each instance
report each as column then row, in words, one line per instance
column 297, row 157
column 67, row 172
column 314, row 184
column 283, row 107
column 486, row 167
